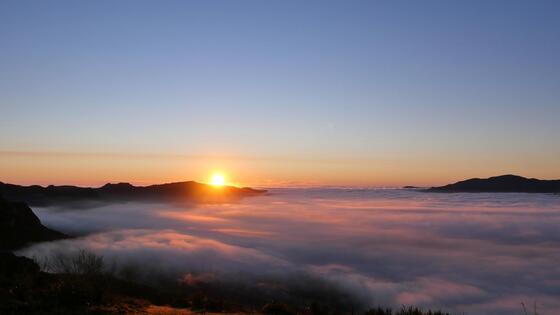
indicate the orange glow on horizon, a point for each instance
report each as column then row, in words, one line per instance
column 96, row 170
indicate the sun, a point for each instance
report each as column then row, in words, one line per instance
column 217, row 180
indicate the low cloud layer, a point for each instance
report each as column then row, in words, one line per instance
column 471, row 253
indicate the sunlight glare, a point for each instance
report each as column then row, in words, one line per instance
column 217, row 180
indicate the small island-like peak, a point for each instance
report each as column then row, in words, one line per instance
column 502, row 183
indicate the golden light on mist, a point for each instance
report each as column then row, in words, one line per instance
column 217, row 179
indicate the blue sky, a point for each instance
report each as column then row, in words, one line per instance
column 373, row 88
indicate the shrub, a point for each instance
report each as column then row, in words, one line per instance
column 81, row 263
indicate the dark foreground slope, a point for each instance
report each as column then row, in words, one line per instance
column 179, row 192
column 24, row 289
column 19, row 226
column 504, row 183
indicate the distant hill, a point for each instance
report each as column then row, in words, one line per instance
column 19, row 226
column 504, row 183
column 189, row 191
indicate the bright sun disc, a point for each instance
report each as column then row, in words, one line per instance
column 218, row 180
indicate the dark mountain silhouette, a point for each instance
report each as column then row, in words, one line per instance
column 19, row 226
column 504, row 183
column 182, row 191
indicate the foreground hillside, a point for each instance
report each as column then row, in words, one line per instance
column 85, row 289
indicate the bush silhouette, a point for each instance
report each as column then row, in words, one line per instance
column 403, row 311
column 81, row 263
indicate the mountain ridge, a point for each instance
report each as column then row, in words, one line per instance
column 186, row 191
column 501, row 183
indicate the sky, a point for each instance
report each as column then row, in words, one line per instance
column 278, row 93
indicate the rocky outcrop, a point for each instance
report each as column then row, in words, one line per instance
column 19, row 226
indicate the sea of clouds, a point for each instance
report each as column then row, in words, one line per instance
column 464, row 253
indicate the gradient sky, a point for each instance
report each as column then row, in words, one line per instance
column 374, row 93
